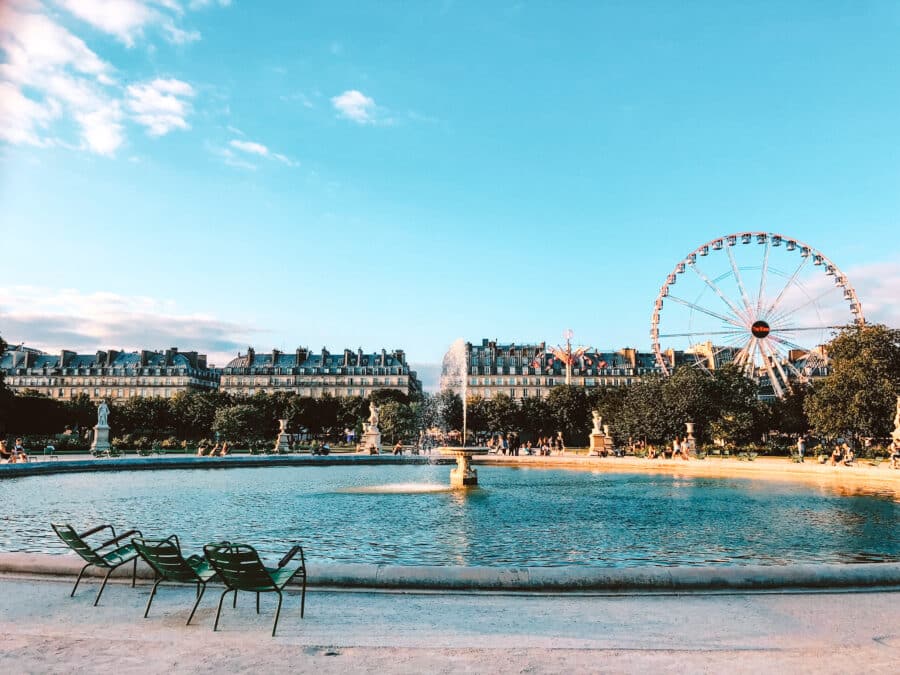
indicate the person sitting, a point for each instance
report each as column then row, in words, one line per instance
column 651, row 452
column 325, row 449
column 836, row 455
column 18, row 453
column 895, row 453
column 5, row 454
column 849, row 457
column 398, row 448
column 224, row 450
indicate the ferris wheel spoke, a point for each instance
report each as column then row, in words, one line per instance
column 785, row 357
column 788, row 284
column 767, row 362
column 709, row 312
column 731, row 345
column 796, row 329
column 786, row 313
column 737, row 278
column 739, row 315
column 762, row 278
column 736, row 331
column 787, row 343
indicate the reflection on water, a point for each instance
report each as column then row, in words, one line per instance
column 408, row 515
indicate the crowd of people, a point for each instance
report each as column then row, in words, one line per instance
column 14, row 455
column 218, row 450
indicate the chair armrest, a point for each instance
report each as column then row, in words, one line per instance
column 290, row 554
column 121, row 536
column 95, row 530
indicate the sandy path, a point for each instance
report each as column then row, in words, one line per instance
column 45, row 631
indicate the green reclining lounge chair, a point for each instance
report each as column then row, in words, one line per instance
column 164, row 556
column 240, row 568
column 96, row 555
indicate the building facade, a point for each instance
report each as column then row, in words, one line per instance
column 531, row 370
column 113, row 375
column 316, row 374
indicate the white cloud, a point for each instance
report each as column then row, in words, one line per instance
column 124, row 19
column 202, row 4
column 52, row 319
column 878, row 287
column 101, row 129
column 24, row 120
column 159, row 105
column 251, row 147
column 261, row 150
column 356, row 106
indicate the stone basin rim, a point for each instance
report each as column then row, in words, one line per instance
column 849, row 576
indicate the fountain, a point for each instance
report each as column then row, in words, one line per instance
column 455, row 378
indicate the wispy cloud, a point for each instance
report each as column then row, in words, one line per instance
column 356, row 106
column 160, row 105
column 126, row 20
column 253, row 148
column 50, row 77
column 53, row 319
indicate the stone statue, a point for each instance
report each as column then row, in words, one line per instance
column 896, row 434
column 102, row 414
column 597, row 422
column 283, row 426
column 373, row 416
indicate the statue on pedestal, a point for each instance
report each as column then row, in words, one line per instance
column 598, row 428
column 100, row 445
column 103, row 414
column 373, row 415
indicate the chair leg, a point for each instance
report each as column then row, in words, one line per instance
column 200, row 592
column 257, row 602
column 221, row 599
column 134, row 573
column 303, row 598
column 80, row 574
column 152, row 593
column 103, row 585
column 234, row 603
column 277, row 614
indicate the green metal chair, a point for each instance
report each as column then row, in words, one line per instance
column 240, row 568
column 165, row 558
column 96, row 555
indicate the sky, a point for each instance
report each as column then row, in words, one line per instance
column 213, row 174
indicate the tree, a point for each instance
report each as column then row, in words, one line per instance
column 788, row 415
column 193, row 412
column 501, row 412
column 80, row 411
column 396, row 420
column 569, row 409
column 382, row 396
column 476, row 415
column 644, row 415
column 533, row 417
column 450, row 410
column 858, row 397
column 238, row 422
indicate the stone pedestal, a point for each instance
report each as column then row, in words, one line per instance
column 101, row 439
column 371, row 440
column 283, row 443
column 463, row 475
column 598, row 443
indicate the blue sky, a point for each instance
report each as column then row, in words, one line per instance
column 214, row 174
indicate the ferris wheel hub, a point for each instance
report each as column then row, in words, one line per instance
column 760, row 329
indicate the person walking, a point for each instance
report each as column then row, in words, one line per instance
column 801, row 447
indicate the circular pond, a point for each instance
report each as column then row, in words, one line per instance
column 401, row 515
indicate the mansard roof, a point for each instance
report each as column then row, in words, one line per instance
column 316, row 360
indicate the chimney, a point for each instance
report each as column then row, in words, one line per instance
column 145, row 357
column 275, row 354
column 383, row 358
column 347, row 354
column 400, row 356
column 64, row 357
column 250, row 356
column 300, row 355
column 201, row 361
column 359, row 356
column 324, row 356
column 112, row 356
column 101, row 358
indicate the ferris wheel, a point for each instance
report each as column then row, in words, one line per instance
column 761, row 301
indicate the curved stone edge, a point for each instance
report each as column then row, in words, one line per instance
column 533, row 579
column 42, row 468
